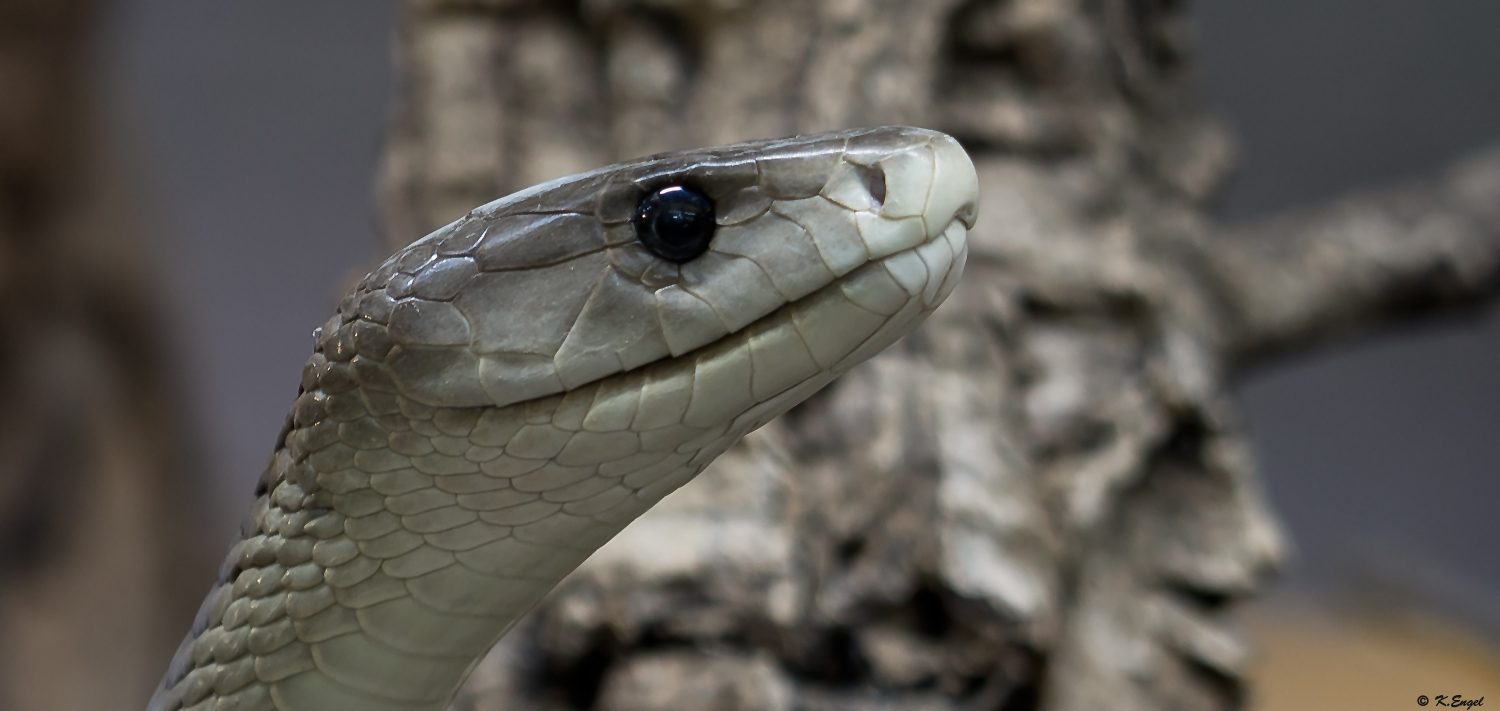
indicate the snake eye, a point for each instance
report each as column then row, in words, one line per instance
column 675, row 223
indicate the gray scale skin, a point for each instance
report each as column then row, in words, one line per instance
column 502, row 397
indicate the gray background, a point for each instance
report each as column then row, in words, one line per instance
column 260, row 123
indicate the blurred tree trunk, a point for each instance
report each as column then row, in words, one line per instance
column 1041, row 499
column 91, row 468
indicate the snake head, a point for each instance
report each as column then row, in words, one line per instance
column 824, row 249
column 503, row 396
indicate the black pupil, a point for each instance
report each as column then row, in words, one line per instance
column 676, row 223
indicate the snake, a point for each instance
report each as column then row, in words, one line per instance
column 501, row 397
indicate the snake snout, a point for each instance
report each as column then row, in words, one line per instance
column 955, row 186
column 908, row 195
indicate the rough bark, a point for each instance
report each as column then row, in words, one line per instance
column 1043, row 498
column 92, row 531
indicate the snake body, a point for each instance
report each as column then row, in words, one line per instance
column 502, row 397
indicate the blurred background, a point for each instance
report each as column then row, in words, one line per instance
column 259, row 125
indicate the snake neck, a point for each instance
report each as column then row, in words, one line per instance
column 393, row 542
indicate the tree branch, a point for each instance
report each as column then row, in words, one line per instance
column 1366, row 260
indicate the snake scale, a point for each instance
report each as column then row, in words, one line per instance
column 503, row 396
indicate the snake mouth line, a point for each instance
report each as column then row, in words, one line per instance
column 748, row 377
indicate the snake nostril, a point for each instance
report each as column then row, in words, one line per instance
column 874, row 181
